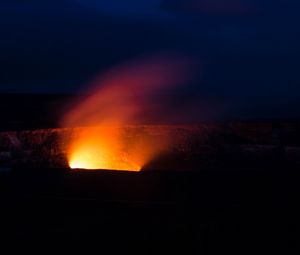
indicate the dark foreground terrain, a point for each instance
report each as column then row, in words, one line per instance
column 196, row 212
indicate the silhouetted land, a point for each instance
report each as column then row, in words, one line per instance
column 152, row 212
column 31, row 111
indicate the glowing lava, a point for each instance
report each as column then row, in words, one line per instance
column 99, row 148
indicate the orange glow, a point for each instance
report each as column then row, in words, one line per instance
column 99, row 148
column 122, row 96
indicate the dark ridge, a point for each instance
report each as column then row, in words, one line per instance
column 31, row 111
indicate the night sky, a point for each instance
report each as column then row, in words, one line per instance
column 248, row 49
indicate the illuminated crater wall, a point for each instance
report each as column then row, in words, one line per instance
column 192, row 147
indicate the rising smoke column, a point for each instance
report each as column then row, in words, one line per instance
column 122, row 96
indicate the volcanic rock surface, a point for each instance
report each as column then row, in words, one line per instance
column 236, row 144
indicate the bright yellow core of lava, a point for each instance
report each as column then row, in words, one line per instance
column 95, row 159
column 99, row 149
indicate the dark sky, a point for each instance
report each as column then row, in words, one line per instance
column 249, row 49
